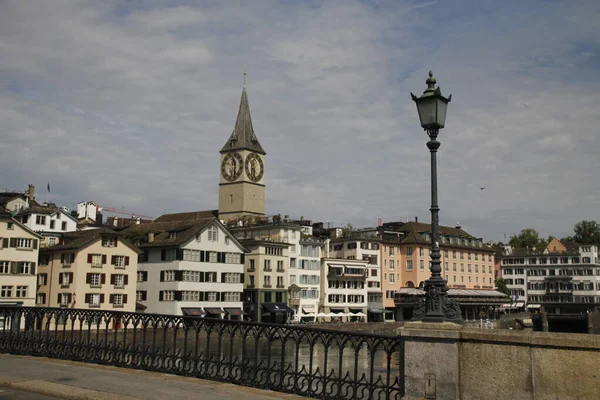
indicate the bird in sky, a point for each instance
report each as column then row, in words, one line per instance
column 482, row 188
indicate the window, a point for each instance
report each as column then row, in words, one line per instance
column 24, row 268
column 41, row 298
column 10, row 225
column 267, row 265
column 117, row 300
column 446, row 253
column 51, row 241
column 409, row 265
column 462, row 255
column 392, row 264
column 447, row 266
column 267, row 281
column 65, row 299
column 279, row 265
column 421, row 251
column 392, row 278
column 469, row 268
column 280, row 281
column 42, row 279
column 168, row 276
column 52, row 222
column 191, row 276
column 391, row 251
column 94, row 300
column 251, row 265
column 212, row 257
column 64, row 278
column 422, row 265
column 4, row 267
column 119, row 280
column 23, row 243
column 373, row 272
column 462, row 267
column 119, row 261
column 40, row 220
column 409, row 251
column 109, row 242
column 142, row 276
column 6, row 291
column 141, row 295
column 95, row 280
column 454, row 267
column 21, row 291
column 96, row 260
column 169, row 295
column 63, row 226
column 172, row 235
column 213, row 234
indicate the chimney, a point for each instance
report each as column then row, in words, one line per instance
column 416, row 219
column 150, row 237
column 31, row 192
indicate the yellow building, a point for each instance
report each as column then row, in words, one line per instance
column 93, row 269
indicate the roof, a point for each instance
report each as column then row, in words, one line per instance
column 187, row 216
column 6, row 215
column 455, row 292
column 5, row 197
column 80, row 239
column 243, row 136
column 185, row 230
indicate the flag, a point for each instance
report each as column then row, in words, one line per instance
column 48, row 186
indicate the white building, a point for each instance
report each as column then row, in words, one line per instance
column 49, row 221
column 19, row 249
column 305, row 279
column 564, row 278
column 343, row 286
column 189, row 267
column 87, row 211
column 365, row 249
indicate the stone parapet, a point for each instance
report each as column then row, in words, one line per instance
column 448, row 361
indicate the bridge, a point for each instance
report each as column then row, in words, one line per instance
column 425, row 360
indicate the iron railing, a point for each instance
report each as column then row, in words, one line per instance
column 302, row 360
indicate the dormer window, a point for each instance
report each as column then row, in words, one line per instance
column 172, row 235
column 109, row 242
column 213, row 234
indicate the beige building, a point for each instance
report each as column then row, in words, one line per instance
column 93, row 269
column 18, row 258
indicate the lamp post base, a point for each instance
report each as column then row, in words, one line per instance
column 436, row 306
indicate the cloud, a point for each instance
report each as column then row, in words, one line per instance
column 129, row 103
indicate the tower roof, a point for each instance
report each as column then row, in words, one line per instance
column 243, row 136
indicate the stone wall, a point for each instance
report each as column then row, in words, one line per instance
column 468, row 363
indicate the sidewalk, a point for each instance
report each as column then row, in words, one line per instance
column 74, row 380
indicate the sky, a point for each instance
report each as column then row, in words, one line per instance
column 128, row 102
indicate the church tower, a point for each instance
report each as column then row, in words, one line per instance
column 242, row 184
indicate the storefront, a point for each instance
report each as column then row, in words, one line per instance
column 276, row 313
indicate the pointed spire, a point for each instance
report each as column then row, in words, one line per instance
column 243, row 136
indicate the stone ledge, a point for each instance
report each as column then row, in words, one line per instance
column 440, row 330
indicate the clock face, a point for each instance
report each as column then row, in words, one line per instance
column 232, row 166
column 254, row 167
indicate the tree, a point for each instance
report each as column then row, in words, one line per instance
column 501, row 286
column 587, row 232
column 528, row 238
column 347, row 230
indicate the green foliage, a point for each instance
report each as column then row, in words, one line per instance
column 501, row 286
column 587, row 232
column 528, row 238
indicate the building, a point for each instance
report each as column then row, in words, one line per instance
column 92, row 269
column 13, row 202
column 19, row 247
column 242, row 182
column 563, row 279
column 189, row 266
column 305, row 279
column 364, row 246
column 49, row 221
column 344, row 286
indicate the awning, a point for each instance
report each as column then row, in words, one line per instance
column 520, row 304
column 534, row 305
column 380, row 311
column 213, row 310
column 308, row 310
column 193, row 312
column 277, row 308
column 234, row 311
column 336, row 310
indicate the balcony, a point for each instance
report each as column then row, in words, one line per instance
column 251, row 269
column 280, row 286
column 66, row 265
column 559, row 291
column 65, row 285
column 267, row 269
column 280, row 270
column 267, row 286
column 250, row 286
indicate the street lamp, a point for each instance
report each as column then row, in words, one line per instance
column 436, row 306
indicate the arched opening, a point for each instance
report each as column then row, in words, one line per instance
column 410, row 284
column 421, row 284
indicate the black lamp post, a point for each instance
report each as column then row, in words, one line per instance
column 436, row 306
